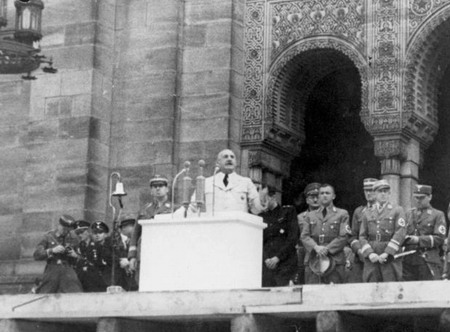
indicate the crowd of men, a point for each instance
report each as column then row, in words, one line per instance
column 320, row 245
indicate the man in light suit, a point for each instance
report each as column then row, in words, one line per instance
column 228, row 191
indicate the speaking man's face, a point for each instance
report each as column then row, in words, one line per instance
column 226, row 161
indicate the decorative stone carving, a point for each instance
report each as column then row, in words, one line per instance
column 420, row 11
column 260, row 160
column 253, row 72
column 386, row 58
column 390, row 148
column 295, row 20
column 426, row 59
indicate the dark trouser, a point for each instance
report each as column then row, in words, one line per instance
column 420, row 270
column 126, row 280
column 59, row 278
column 355, row 274
column 93, row 280
column 376, row 272
column 281, row 275
column 337, row 276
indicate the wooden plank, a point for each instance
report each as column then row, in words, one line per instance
column 373, row 299
column 150, row 305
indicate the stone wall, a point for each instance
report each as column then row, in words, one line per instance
column 141, row 87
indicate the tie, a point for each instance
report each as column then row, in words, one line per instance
column 324, row 212
column 225, row 180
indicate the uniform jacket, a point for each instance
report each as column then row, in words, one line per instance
column 51, row 240
column 239, row 195
column 99, row 256
column 281, row 234
column 383, row 229
column 356, row 225
column 147, row 212
column 331, row 232
column 430, row 226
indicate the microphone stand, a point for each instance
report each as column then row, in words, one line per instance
column 119, row 192
column 216, row 169
column 187, row 164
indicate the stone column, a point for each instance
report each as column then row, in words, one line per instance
column 391, row 151
column 409, row 172
column 265, row 166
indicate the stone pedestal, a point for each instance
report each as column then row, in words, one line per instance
column 223, row 251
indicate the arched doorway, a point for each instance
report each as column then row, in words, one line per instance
column 436, row 166
column 427, row 95
column 320, row 97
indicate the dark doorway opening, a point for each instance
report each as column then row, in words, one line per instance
column 436, row 166
column 337, row 150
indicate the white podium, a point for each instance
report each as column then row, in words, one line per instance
column 223, row 251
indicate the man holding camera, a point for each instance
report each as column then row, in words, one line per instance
column 56, row 248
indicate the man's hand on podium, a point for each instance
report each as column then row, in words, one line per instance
column 133, row 264
column 272, row 263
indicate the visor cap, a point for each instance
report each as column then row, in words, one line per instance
column 312, row 189
column 381, row 184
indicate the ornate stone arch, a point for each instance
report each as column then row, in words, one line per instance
column 425, row 63
column 280, row 120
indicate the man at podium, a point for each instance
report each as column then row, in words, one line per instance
column 228, row 191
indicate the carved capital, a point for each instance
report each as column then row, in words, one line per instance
column 261, row 159
column 390, row 148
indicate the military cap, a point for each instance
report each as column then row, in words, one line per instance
column 127, row 220
column 320, row 265
column 67, row 221
column 422, row 190
column 82, row 225
column 159, row 179
column 368, row 183
column 99, row 227
column 312, row 189
column 381, row 184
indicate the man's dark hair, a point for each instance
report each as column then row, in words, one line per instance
column 323, row 185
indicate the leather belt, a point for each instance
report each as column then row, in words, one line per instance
column 380, row 238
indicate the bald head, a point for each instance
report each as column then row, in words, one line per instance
column 226, row 161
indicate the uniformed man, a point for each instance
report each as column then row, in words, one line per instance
column 99, row 258
column 325, row 233
column 230, row 191
column 382, row 232
column 311, row 193
column 82, row 230
column 124, row 276
column 355, row 275
column 279, row 239
column 160, row 204
column 426, row 234
column 57, row 248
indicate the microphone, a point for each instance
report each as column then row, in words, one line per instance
column 200, row 187
column 187, row 180
column 187, row 164
column 216, row 169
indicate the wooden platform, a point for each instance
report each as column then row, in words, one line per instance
column 348, row 307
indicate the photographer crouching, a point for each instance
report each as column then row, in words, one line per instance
column 56, row 248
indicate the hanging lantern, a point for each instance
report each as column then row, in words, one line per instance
column 28, row 21
column 3, row 21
